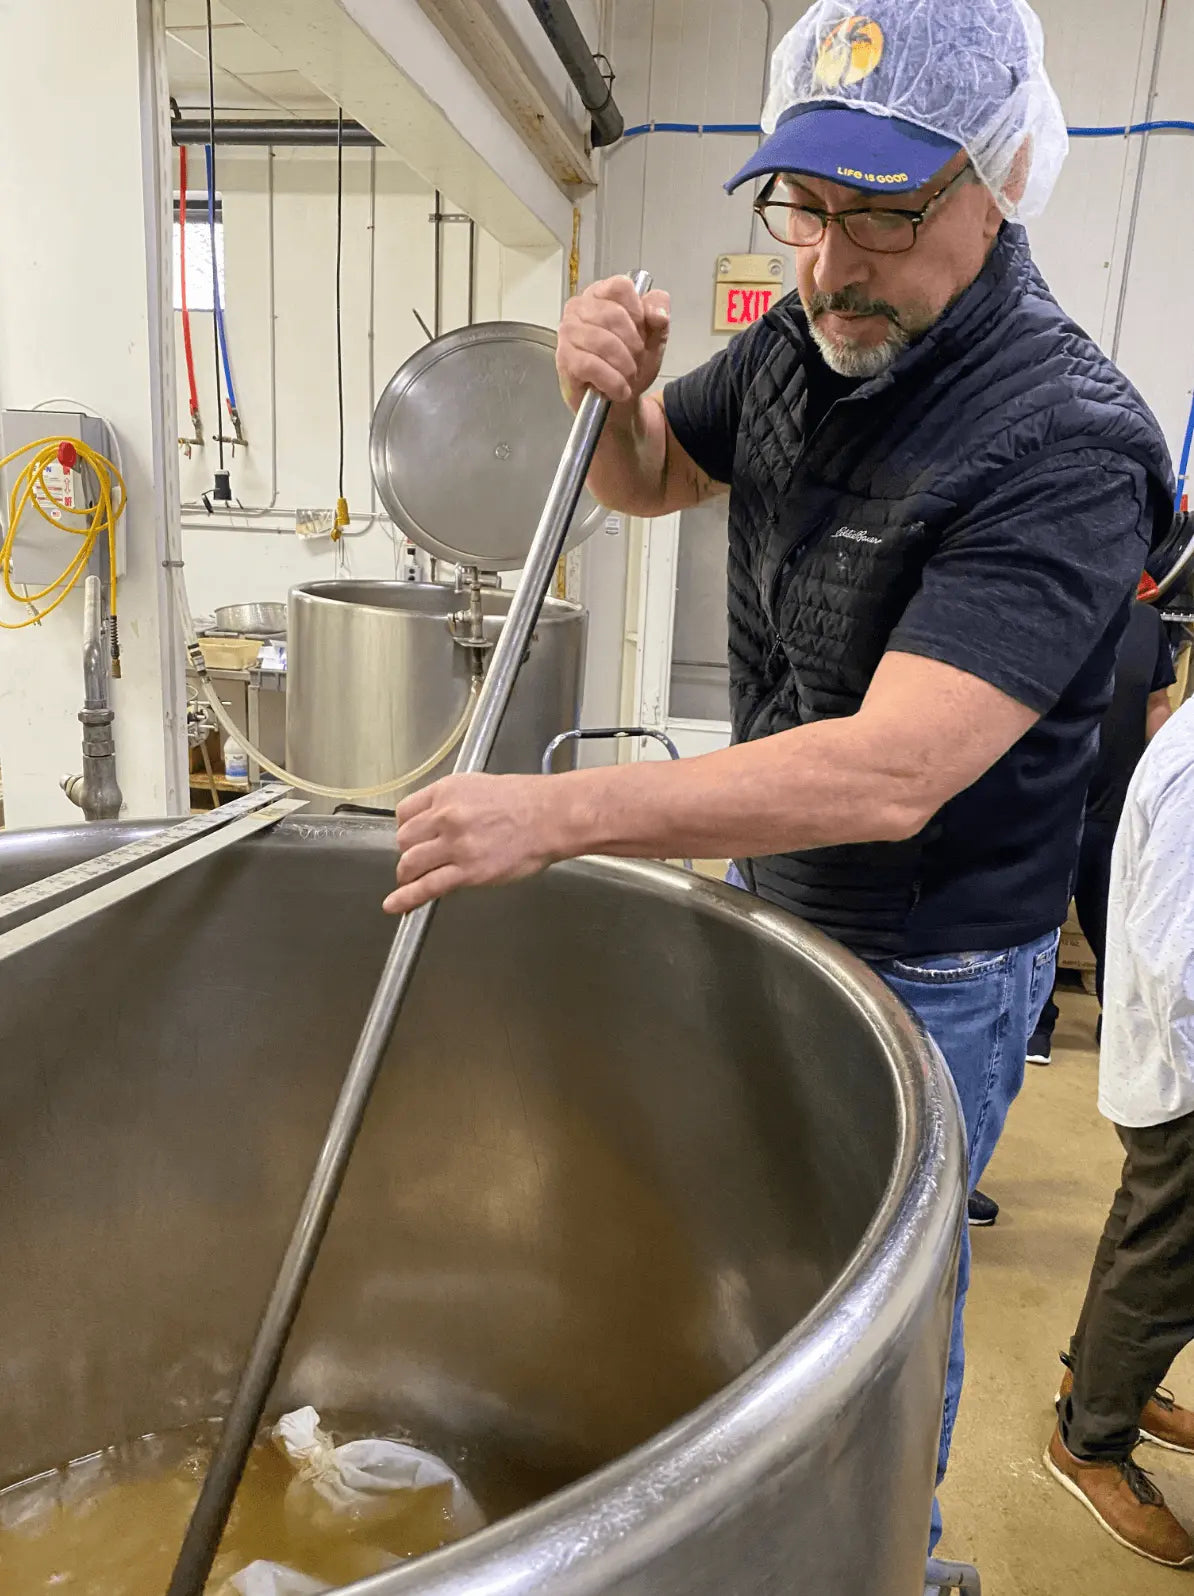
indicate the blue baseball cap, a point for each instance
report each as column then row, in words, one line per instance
column 884, row 154
column 880, row 98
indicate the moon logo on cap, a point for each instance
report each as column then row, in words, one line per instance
column 849, row 52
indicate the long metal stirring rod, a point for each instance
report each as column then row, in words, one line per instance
column 202, row 1538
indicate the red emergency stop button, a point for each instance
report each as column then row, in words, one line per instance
column 68, row 455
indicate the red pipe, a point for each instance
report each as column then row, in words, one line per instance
column 182, row 277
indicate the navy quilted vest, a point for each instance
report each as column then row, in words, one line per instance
column 815, row 589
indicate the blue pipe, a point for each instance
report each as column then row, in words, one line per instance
column 215, row 280
column 1184, row 467
column 754, row 129
column 1135, row 127
column 693, row 127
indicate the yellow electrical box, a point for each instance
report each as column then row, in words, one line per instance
column 744, row 288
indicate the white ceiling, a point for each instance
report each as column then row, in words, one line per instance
column 251, row 77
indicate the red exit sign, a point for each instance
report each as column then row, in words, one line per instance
column 742, row 305
column 744, row 288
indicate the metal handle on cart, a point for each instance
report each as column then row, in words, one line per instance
column 587, row 734
column 240, row 1427
column 584, row 734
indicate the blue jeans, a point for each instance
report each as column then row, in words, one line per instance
column 980, row 1009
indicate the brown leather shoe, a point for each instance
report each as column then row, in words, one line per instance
column 1163, row 1422
column 1126, row 1503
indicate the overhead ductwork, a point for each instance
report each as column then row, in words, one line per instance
column 269, row 130
column 594, row 87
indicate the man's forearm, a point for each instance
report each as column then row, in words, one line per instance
column 813, row 787
column 640, row 469
column 629, row 469
column 925, row 731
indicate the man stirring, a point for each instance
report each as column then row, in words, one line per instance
column 941, row 498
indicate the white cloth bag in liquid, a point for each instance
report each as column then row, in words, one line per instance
column 272, row 1579
column 361, row 1478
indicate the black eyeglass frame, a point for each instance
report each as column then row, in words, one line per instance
column 916, row 218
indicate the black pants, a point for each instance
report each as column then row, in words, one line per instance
column 1139, row 1308
column 1092, row 888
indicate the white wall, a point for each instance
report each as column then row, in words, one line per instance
column 1157, row 349
column 233, row 557
column 79, row 317
column 663, row 204
column 1099, row 57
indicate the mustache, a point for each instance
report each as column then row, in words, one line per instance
column 853, row 301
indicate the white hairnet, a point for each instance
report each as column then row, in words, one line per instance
column 972, row 71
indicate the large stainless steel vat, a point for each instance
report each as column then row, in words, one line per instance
column 376, row 682
column 652, row 1227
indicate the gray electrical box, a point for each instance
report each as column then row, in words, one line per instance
column 43, row 551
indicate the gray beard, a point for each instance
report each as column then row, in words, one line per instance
column 858, row 360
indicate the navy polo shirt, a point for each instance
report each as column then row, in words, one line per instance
column 1032, row 595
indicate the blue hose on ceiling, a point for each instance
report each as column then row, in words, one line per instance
column 693, row 127
column 215, row 284
column 754, row 129
column 1184, row 467
column 1134, row 127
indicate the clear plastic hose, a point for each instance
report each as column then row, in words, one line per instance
column 349, row 794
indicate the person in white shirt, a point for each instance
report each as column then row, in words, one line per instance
column 1139, row 1308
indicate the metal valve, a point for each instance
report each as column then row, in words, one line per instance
column 467, row 625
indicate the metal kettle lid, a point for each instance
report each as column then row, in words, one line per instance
column 465, row 442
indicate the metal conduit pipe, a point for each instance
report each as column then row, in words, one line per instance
column 263, row 131
column 1138, row 186
column 437, row 316
column 570, row 44
column 96, row 791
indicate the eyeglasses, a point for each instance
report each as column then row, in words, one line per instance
column 885, row 232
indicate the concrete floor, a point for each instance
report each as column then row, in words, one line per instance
column 1054, row 1174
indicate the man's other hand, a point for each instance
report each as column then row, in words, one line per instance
column 473, row 831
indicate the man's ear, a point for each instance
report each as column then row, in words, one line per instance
column 1017, row 178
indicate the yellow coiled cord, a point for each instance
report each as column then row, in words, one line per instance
column 89, row 523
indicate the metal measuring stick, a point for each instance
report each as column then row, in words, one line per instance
column 239, row 1431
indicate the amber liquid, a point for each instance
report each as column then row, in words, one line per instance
column 111, row 1525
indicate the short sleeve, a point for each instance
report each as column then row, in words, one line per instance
column 704, row 407
column 1156, row 930
column 1146, row 1067
column 1025, row 582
